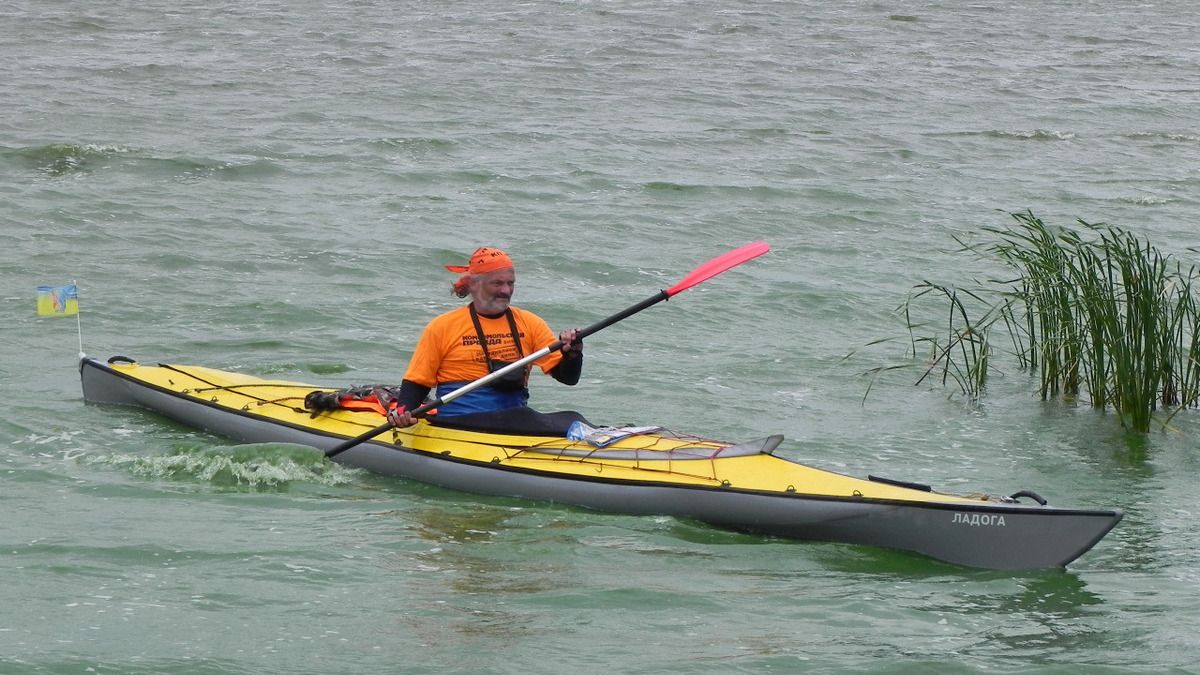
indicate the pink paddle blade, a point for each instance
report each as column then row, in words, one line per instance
column 719, row 264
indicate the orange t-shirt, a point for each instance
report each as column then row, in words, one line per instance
column 449, row 350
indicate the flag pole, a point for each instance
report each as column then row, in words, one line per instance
column 78, row 321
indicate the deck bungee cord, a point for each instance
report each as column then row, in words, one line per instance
column 557, row 453
column 233, row 388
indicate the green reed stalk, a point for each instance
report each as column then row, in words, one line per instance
column 1098, row 308
column 1044, row 267
column 966, row 354
column 1189, row 359
column 1102, row 312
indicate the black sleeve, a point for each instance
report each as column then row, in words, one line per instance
column 569, row 369
column 412, row 395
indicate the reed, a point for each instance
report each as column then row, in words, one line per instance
column 965, row 355
column 1096, row 312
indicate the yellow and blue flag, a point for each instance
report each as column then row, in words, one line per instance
column 58, row 300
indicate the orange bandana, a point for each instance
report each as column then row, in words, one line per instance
column 484, row 260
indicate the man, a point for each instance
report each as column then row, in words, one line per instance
column 467, row 343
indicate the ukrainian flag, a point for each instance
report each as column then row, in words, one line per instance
column 58, row 300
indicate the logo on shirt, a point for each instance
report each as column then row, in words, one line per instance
column 493, row 339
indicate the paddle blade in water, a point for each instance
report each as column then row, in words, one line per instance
column 719, row 264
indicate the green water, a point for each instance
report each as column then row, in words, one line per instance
column 274, row 187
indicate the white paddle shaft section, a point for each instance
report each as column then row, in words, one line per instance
column 489, row 378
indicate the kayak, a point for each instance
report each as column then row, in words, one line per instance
column 561, row 457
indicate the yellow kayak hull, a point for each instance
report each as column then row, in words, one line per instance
column 742, row 486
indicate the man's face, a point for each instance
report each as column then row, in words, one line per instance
column 492, row 292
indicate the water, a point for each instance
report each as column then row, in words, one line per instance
column 273, row 187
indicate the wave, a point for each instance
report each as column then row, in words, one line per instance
column 59, row 160
column 250, row 467
column 1034, row 135
column 413, row 144
column 686, row 188
column 315, row 368
column 1144, row 200
column 1163, row 136
column 752, row 132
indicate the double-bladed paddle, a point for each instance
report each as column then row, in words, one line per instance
column 704, row 272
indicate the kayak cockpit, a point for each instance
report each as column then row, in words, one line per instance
column 522, row 421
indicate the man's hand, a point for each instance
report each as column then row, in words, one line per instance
column 399, row 417
column 571, row 345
